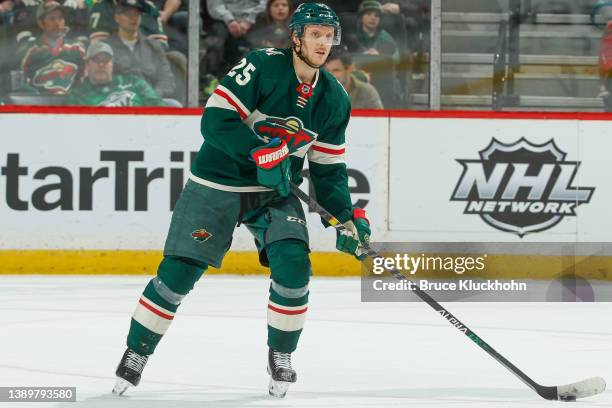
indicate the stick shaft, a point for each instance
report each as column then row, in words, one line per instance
column 546, row 392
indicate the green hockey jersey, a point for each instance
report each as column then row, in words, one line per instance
column 51, row 68
column 123, row 90
column 261, row 98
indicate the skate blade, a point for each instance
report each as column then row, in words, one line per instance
column 121, row 386
column 278, row 389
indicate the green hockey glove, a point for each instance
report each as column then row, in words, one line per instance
column 273, row 165
column 356, row 234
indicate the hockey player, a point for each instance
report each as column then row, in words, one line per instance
column 273, row 109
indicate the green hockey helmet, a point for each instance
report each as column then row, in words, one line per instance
column 315, row 14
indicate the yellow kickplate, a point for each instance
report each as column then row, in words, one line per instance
column 112, row 262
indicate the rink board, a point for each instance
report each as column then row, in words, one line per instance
column 424, row 207
column 86, row 193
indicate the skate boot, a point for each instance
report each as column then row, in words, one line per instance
column 281, row 373
column 129, row 371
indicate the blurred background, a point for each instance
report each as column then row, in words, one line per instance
column 544, row 55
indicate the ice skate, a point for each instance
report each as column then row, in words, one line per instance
column 129, row 371
column 281, row 373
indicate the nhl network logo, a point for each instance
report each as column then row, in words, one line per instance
column 521, row 187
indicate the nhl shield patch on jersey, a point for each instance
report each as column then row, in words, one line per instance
column 201, row 235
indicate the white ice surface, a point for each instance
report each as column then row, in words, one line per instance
column 70, row 331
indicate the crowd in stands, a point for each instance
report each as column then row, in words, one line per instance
column 49, row 52
column 111, row 52
column 134, row 52
column 380, row 41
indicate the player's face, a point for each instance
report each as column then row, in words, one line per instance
column 100, row 69
column 370, row 19
column 279, row 11
column 317, row 41
column 53, row 24
column 128, row 19
column 338, row 70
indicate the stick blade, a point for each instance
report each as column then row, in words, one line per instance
column 581, row 389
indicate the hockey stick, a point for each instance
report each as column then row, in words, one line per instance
column 569, row 392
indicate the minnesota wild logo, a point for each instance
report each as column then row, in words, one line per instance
column 201, row 235
column 119, row 98
column 56, row 77
column 290, row 129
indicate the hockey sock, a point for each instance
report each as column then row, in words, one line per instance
column 288, row 300
column 159, row 302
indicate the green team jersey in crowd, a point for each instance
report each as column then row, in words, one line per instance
column 124, row 90
column 260, row 99
column 51, row 68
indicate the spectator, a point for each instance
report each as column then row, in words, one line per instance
column 6, row 12
column 174, row 17
column 102, row 22
column 135, row 54
column 399, row 18
column 406, row 21
column 270, row 29
column 102, row 88
column 6, row 20
column 172, row 23
column 232, row 21
column 25, row 22
column 371, row 39
column 605, row 67
column 169, row 8
column 51, row 64
column 375, row 52
column 362, row 94
column 603, row 10
column 238, row 15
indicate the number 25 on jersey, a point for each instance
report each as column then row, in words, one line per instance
column 242, row 75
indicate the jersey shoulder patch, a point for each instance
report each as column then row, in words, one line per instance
column 270, row 56
column 271, row 51
column 272, row 62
